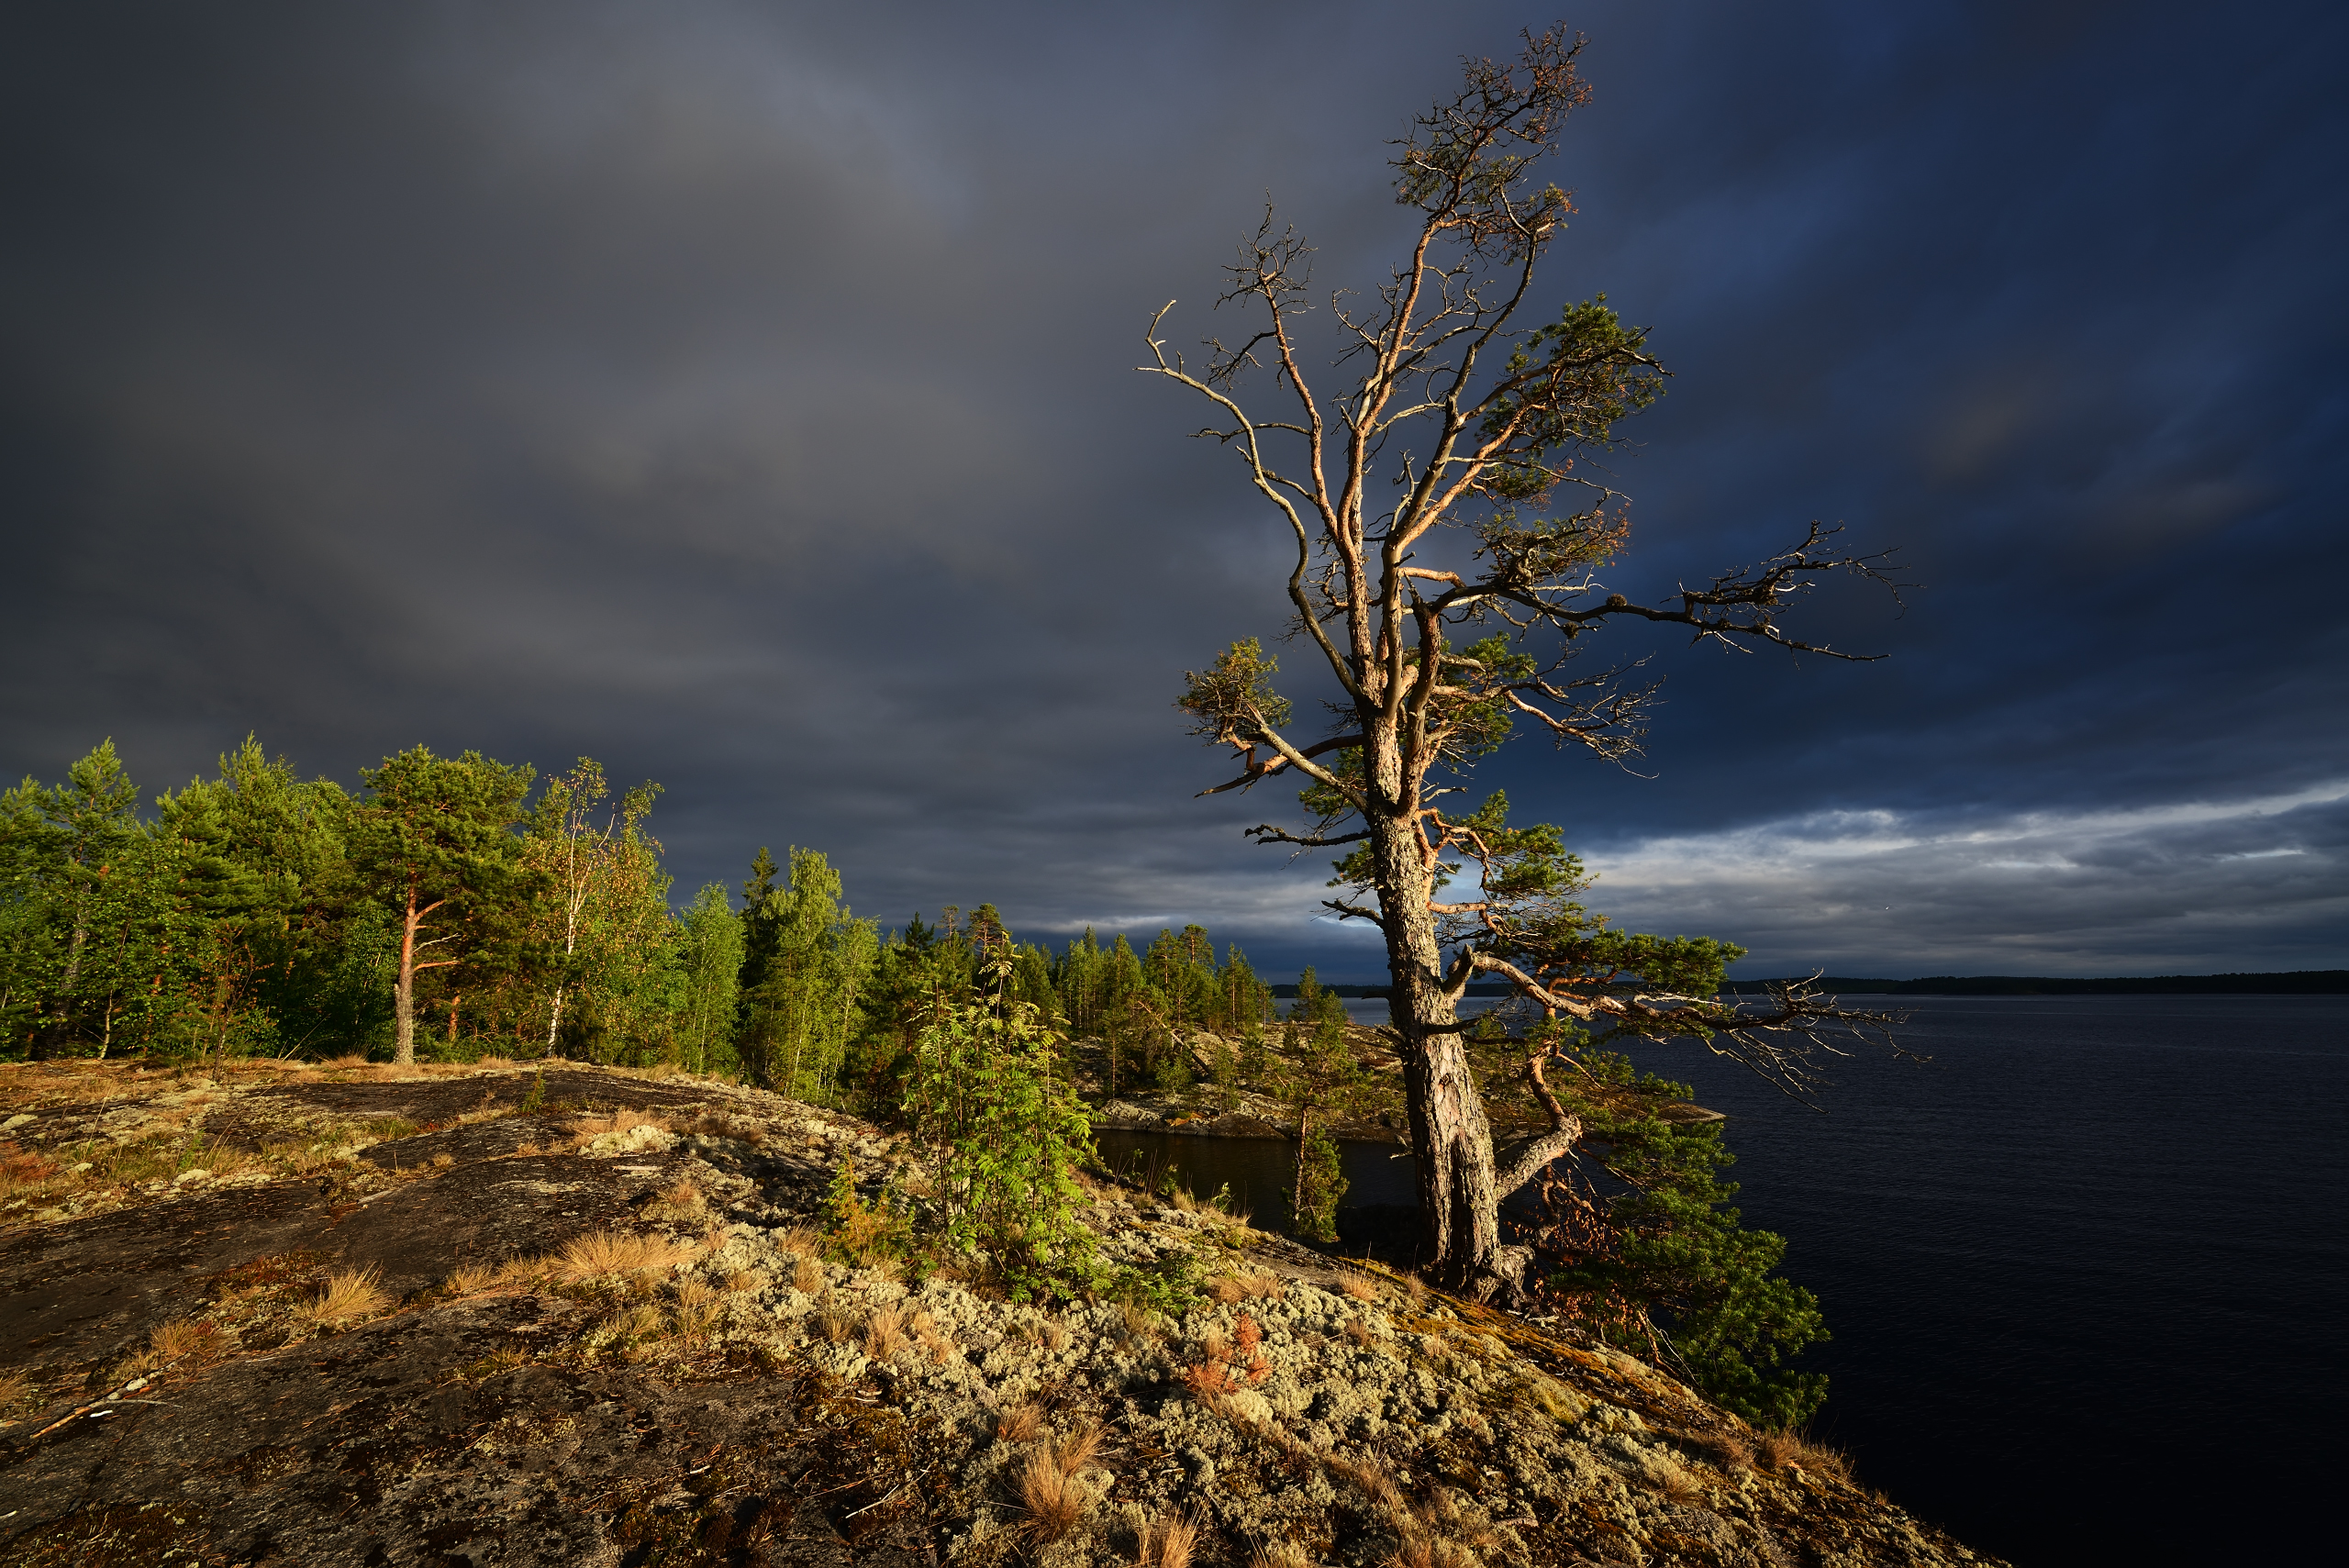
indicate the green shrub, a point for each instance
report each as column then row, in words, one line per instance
column 1004, row 1136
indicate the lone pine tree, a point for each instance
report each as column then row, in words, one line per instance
column 1486, row 420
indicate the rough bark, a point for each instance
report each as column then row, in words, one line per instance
column 403, row 986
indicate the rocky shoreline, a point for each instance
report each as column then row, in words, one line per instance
column 465, row 1316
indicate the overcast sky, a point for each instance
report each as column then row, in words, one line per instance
column 742, row 394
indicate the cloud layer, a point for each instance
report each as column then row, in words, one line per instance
column 741, row 394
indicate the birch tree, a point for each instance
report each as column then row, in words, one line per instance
column 1449, row 486
column 594, row 862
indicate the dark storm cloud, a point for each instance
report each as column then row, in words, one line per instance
column 739, row 394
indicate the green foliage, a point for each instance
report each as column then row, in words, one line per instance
column 805, row 961
column 862, row 1233
column 1321, row 1185
column 1232, row 701
column 710, row 961
column 1670, row 1247
column 1317, row 1079
column 1005, row 1135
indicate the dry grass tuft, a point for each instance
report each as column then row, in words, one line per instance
column 807, row 1274
column 492, row 1063
column 1140, row 1322
column 525, row 1270
column 1226, row 1289
column 1728, row 1449
column 1167, row 1542
column 802, row 1240
column 1076, row 1451
column 1361, row 1288
column 1417, row 1551
column 885, row 1334
column 1021, row 1423
column 1375, row 1483
column 1417, row 1289
column 1053, row 1499
column 186, row 1342
column 469, row 1279
column 738, row 1281
column 1281, row 1555
column 348, row 1295
column 1055, row 1334
column 934, row 1340
column 1214, row 1346
column 1823, row 1460
column 1359, row 1332
column 1787, row 1449
column 15, row 1393
column 833, row 1323
column 680, row 1203
column 617, row 1253
column 347, row 1062
column 698, row 1308
column 1678, row 1485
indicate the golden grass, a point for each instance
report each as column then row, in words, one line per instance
column 347, row 1296
column 1678, row 1485
column 885, row 1334
column 804, row 1241
column 1167, row 1542
column 680, row 1203
column 617, row 1253
column 1359, row 1332
column 698, row 1308
column 1079, row 1449
column 469, row 1279
column 1787, row 1449
column 590, row 1127
column 492, row 1063
column 1360, row 1289
column 740, row 1280
column 189, row 1338
column 1055, row 1334
column 347, row 1062
column 833, row 1323
column 1230, row 1289
column 1053, row 1499
column 1728, row 1449
column 1021, row 1423
column 1416, row 1551
column 1375, row 1483
column 1280, row 1554
column 935, row 1341
column 1214, row 1346
column 15, row 1392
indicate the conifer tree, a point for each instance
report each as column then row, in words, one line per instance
column 434, row 841
column 1450, row 522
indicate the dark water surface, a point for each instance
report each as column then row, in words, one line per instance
column 2087, row 1269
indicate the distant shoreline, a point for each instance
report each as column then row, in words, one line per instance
column 2289, row 983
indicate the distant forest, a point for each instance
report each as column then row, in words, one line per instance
column 469, row 909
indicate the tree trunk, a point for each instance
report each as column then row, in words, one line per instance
column 404, row 988
column 1459, row 1209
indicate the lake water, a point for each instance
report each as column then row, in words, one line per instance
column 2087, row 1269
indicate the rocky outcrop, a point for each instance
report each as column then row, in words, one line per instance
column 469, row 1317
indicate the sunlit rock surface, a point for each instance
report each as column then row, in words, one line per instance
column 583, row 1321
